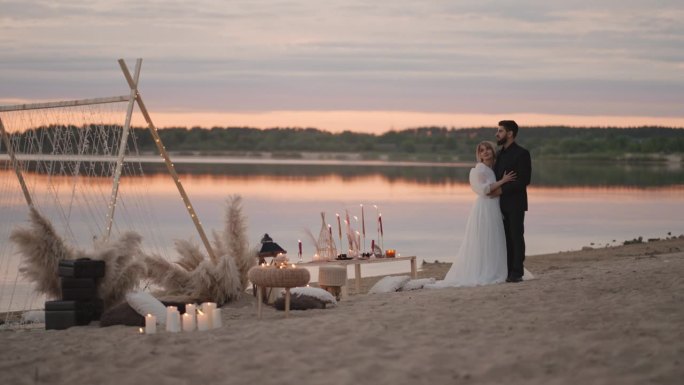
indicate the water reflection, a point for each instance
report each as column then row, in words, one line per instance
column 544, row 173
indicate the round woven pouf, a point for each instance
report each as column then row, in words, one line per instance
column 332, row 278
column 271, row 276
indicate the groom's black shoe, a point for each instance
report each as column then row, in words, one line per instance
column 508, row 279
column 515, row 279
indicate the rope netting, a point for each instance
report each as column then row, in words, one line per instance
column 68, row 158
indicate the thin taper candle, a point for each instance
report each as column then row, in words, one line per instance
column 363, row 228
column 363, row 222
column 339, row 230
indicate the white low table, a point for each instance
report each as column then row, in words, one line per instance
column 358, row 262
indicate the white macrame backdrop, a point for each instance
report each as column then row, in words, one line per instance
column 68, row 157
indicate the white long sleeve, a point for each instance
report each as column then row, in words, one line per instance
column 479, row 180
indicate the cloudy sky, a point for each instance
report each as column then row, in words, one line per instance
column 358, row 65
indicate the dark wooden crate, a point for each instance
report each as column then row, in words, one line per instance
column 81, row 268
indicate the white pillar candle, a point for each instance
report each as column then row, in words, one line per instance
column 150, row 324
column 170, row 309
column 191, row 311
column 172, row 320
column 216, row 319
column 188, row 323
column 203, row 321
column 208, row 309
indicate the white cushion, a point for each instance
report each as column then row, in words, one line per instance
column 144, row 303
column 416, row 284
column 315, row 292
column 389, row 284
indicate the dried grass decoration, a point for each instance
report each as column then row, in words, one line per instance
column 42, row 248
column 195, row 278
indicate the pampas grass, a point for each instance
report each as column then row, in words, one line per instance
column 235, row 239
column 206, row 281
column 195, row 277
column 42, row 249
column 124, row 268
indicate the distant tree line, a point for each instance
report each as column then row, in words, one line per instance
column 434, row 143
column 546, row 141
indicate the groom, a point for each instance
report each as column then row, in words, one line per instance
column 513, row 200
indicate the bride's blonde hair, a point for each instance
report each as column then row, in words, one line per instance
column 485, row 143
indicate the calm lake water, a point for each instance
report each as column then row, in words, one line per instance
column 424, row 207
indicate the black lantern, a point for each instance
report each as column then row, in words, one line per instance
column 269, row 249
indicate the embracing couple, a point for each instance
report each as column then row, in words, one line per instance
column 493, row 248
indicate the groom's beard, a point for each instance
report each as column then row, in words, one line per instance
column 501, row 141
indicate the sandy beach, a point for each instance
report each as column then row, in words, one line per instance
column 604, row 316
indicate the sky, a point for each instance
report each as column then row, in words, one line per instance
column 367, row 66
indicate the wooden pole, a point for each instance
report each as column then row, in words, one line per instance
column 15, row 164
column 122, row 150
column 260, row 296
column 357, row 277
column 67, row 103
column 287, row 302
column 169, row 165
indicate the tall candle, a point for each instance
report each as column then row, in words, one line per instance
column 208, row 309
column 188, row 322
column 377, row 223
column 382, row 234
column 380, row 223
column 191, row 319
column 172, row 320
column 150, row 324
column 347, row 220
column 363, row 222
column 300, row 249
column 203, row 321
column 191, row 309
column 216, row 319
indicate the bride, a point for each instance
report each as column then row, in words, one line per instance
column 481, row 258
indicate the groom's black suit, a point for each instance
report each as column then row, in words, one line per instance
column 513, row 202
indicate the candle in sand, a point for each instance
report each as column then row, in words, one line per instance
column 188, row 322
column 202, row 321
column 172, row 319
column 208, row 309
column 150, row 324
column 216, row 319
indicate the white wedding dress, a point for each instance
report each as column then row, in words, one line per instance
column 481, row 259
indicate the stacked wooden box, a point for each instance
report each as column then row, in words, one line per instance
column 80, row 303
